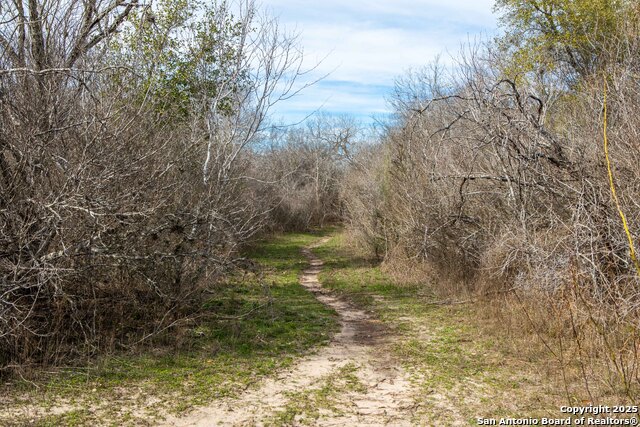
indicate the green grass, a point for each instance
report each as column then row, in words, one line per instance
column 404, row 307
column 307, row 406
column 264, row 322
column 76, row 417
column 461, row 369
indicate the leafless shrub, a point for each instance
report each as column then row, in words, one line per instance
column 304, row 166
column 124, row 162
column 500, row 182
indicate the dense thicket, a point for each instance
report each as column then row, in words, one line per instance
column 306, row 166
column 131, row 157
column 136, row 159
column 493, row 174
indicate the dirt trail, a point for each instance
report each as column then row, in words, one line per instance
column 384, row 395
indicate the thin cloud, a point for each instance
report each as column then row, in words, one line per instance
column 369, row 43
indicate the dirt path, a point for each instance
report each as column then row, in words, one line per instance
column 376, row 392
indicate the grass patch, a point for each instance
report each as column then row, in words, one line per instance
column 461, row 367
column 259, row 324
column 307, row 406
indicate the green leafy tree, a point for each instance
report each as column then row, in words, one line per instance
column 549, row 34
column 183, row 52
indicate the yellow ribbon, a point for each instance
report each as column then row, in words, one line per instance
column 632, row 249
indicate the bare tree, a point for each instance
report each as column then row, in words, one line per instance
column 304, row 167
column 125, row 157
column 501, row 183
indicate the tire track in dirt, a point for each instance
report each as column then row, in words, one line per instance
column 384, row 398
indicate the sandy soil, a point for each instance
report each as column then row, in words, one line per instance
column 385, row 397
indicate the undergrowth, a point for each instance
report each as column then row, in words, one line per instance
column 251, row 326
column 462, row 361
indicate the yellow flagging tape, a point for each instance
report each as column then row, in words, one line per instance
column 632, row 250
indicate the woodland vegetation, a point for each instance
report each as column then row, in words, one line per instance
column 515, row 177
column 137, row 160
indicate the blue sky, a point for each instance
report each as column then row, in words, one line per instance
column 366, row 44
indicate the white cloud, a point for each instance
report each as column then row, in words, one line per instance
column 369, row 43
column 368, row 55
